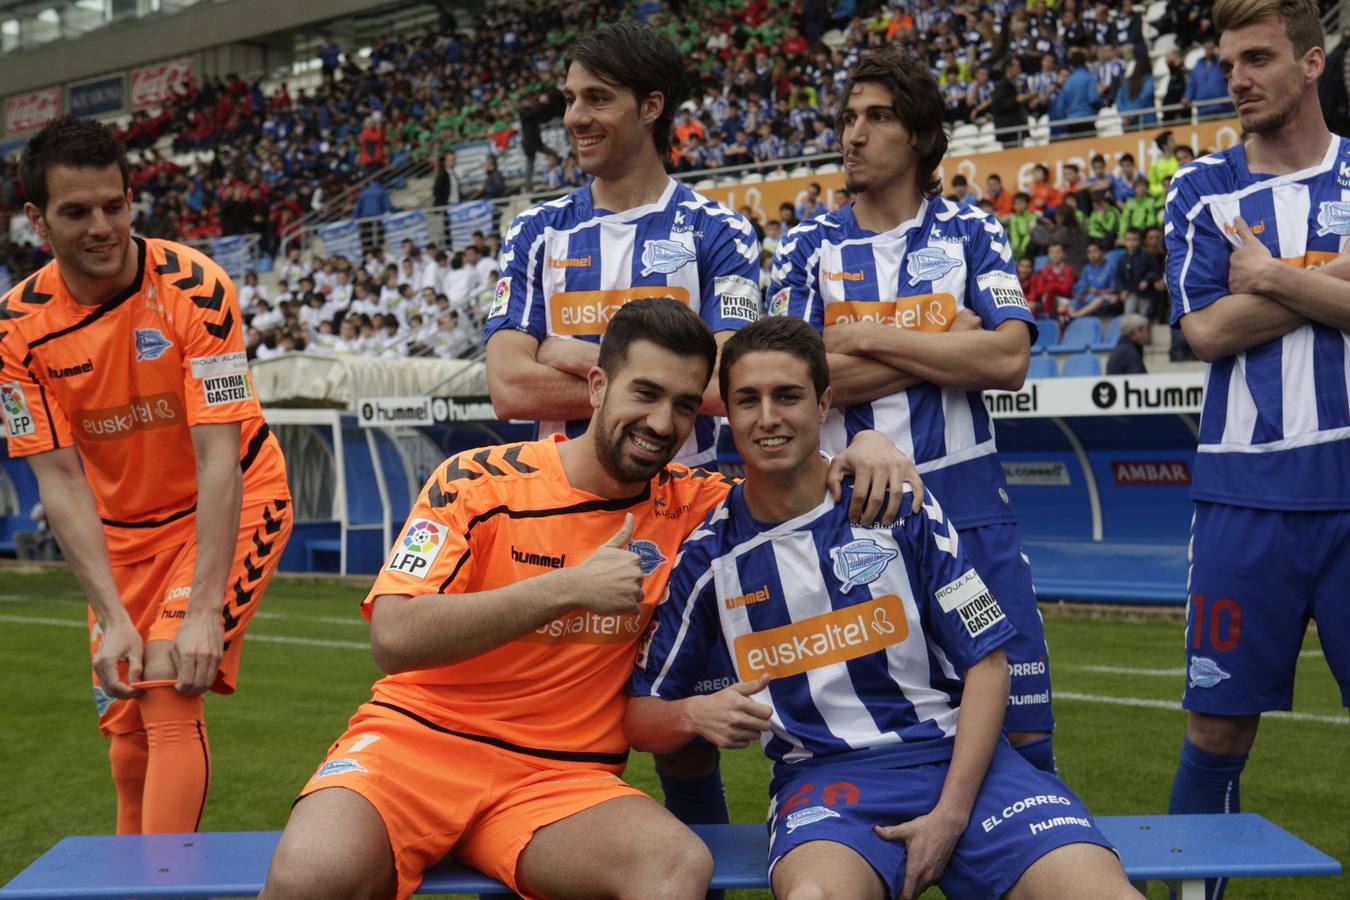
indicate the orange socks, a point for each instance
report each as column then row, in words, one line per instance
column 178, row 772
column 127, row 755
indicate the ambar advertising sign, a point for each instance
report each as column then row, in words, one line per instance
column 154, row 85
column 97, row 96
column 29, row 112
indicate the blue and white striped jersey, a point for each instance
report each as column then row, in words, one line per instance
column 866, row 632
column 567, row 267
column 1275, row 425
column 917, row 275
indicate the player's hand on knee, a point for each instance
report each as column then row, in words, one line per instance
column 121, row 642
column 197, row 651
column 610, row 580
column 729, row 718
column 880, row 473
column 929, row 842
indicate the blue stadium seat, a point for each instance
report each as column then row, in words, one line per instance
column 1112, row 336
column 1080, row 335
column 1082, row 365
column 1041, row 262
column 1042, row 366
column 1047, row 334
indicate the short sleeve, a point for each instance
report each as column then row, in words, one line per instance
column 959, row 612
column 1197, row 251
column 728, row 271
column 792, row 287
column 217, row 386
column 992, row 288
column 518, row 302
column 431, row 552
column 33, row 421
column 683, row 632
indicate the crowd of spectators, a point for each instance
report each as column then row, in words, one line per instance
column 429, row 302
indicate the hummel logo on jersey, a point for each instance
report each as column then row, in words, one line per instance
column 1204, row 672
column 840, row 276
column 929, row 264
column 740, row 600
column 860, row 562
column 563, row 262
column 648, row 554
column 538, row 559
column 83, row 368
column 150, row 344
column 665, row 257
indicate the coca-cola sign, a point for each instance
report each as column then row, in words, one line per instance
column 29, row 112
column 153, row 85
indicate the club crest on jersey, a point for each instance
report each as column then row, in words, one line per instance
column 808, row 816
column 860, row 562
column 338, row 767
column 1333, row 217
column 648, row 554
column 929, row 264
column 665, row 257
column 150, row 344
column 1204, row 672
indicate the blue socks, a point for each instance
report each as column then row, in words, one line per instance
column 696, row 801
column 1040, row 753
column 1207, row 783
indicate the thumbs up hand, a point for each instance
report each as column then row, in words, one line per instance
column 610, row 580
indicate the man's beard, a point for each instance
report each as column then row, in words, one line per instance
column 619, row 465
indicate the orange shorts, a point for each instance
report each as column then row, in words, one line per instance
column 155, row 592
column 439, row 793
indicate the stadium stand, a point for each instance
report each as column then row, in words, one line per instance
column 1179, row 850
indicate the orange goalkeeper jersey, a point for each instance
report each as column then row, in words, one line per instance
column 496, row 516
column 124, row 381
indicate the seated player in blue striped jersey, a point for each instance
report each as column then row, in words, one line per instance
column 567, row 265
column 870, row 666
column 1257, row 270
column 921, row 310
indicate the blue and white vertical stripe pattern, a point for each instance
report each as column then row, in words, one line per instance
column 706, row 253
column 736, row 579
column 1275, row 425
column 961, row 258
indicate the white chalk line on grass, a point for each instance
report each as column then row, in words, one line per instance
column 1072, row 696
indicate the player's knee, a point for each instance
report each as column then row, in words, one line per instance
column 682, row 871
column 690, row 761
column 294, row 876
column 810, row 889
column 1222, row 735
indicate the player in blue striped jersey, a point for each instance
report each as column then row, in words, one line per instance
column 920, row 307
column 1246, row 231
column 869, row 663
column 568, row 265
column 634, row 232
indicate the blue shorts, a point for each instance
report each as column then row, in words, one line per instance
column 996, row 553
column 1257, row 577
column 1020, row 814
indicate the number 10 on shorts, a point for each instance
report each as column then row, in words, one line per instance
column 1220, row 620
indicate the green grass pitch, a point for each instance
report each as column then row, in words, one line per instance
column 307, row 666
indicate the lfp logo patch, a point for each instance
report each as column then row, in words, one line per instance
column 860, row 562
column 418, row 549
column 150, row 344
column 648, row 554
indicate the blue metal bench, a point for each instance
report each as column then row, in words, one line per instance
column 1180, row 850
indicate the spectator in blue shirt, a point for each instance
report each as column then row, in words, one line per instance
column 1207, row 83
column 1095, row 291
column 1079, row 96
column 1122, row 185
column 371, row 203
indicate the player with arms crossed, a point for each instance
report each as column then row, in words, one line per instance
column 870, row 663
column 1246, row 229
column 124, row 382
column 507, row 618
column 921, row 310
column 634, row 232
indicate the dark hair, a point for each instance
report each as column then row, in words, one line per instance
column 1093, row 242
column 68, row 141
column 664, row 321
column 1161, row 140
column 1023, row 196
column 1098, row 158
column 636, row 56
column 784, row 334
column 1133, row 231
column 916, row 100
column 959, row 181
column 1125, row 156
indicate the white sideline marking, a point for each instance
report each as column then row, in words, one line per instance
column 1172, row 705
column 268, row 638
column 1126, row 670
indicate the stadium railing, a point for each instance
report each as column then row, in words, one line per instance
column 1180, row 850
